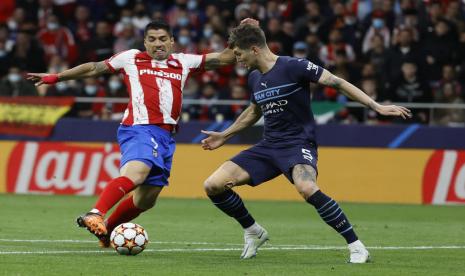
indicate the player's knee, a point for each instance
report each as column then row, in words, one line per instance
column 212, row 187
column 306, row 189
column 144, row 203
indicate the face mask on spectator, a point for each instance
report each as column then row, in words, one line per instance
column 207, row 32
column 52, row 26
column 114, row 85
column 126, row 19
column 183, row 40
column 378, row 23
column 14, row 77
column 90, row 89
column 61, row 86
column 121, row 2
column 183, row 21
column 191, row 5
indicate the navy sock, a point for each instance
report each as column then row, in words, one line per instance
column 230, row 203
column 332, row 214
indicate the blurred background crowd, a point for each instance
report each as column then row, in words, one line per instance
column 395, row 50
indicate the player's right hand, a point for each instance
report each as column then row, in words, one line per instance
column 213, row 141
column 42, row 78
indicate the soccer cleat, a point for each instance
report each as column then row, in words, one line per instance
column 358, row 253
column 253, row 242
column 94, row 223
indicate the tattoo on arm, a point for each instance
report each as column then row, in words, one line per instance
column 333, row 81
column 212, row 63
column 101, row 68
column 304, row 173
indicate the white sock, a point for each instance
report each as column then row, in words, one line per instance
column 253, row 229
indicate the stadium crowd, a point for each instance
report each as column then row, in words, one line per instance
column 399, row 51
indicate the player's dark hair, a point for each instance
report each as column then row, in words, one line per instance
column 245, row 36
column 158, row 25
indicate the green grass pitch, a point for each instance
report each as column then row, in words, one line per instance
column 191, row 237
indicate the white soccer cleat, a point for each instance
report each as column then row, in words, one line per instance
column 358, row 253
column 253, row 242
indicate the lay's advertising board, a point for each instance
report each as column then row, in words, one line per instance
column 347, row 174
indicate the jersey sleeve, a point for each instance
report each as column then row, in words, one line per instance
column 118, row 61
column 305, row 70
column 192, row 62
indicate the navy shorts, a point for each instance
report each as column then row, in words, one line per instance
column 149, row 144
column 265, row 162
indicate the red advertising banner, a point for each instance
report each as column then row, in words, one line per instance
column 444, row 178
column 32, row 116
column 61, row 168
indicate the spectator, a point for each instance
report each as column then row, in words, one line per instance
column 440, row 49
column 405, row 50
column 328, row 52
column 14, row 85
column 82, row 26
column 100, row 47
column 409, row 88
column 126, row 39
column 58, row 40
column 449, row 116
column 378, row 27
column 25, row 48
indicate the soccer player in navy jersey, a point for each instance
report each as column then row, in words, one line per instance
column 280, row 92
column 154, row 79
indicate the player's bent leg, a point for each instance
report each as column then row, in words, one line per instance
column 304, row 177
column 133, row 173
column 142, row 199
column 219, row 189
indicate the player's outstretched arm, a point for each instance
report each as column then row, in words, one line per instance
column 247, row 118
column 86, row 70
column 358, row 95
column 226, row 57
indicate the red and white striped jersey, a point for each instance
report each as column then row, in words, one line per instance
column 154, row 87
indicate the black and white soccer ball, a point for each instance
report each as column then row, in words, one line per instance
column 129, row 239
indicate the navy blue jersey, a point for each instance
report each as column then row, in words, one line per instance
column 283, row 94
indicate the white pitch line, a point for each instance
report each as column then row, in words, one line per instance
column 231, row 249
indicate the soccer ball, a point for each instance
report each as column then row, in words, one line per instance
column 129, row 239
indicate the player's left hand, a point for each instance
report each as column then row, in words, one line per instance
column 394, row 110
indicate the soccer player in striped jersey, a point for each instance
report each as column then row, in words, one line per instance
column 154, row 79
column 280, row 92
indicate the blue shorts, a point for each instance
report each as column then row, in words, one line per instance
column 149, row 144
column 265, row 162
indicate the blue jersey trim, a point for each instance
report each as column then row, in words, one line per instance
column 276, row 87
